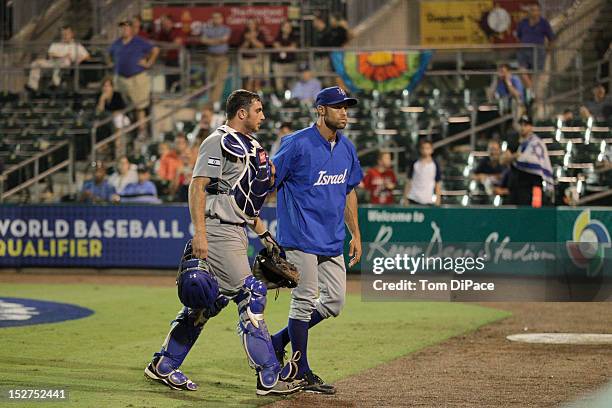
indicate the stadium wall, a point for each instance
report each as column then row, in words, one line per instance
column 153, row 236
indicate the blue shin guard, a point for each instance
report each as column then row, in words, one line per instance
column 185, row 330
column 254, row 332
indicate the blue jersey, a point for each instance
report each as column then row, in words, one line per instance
column 313, row 181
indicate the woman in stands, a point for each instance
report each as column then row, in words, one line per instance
column 110, row 101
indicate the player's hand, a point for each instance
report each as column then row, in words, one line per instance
column 199, row 245
column 354, row 251
column 268, row 241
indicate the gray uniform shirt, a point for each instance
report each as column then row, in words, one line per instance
column 223, row 170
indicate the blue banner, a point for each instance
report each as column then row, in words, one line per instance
column 100, row 236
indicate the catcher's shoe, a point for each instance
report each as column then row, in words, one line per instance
column 161, row 370
column 314, row 384
column 280, row 388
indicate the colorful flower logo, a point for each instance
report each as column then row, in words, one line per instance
column 383, row 70
column 590, row 240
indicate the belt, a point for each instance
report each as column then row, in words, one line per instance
column 216, row 192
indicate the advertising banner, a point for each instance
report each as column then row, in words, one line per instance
column 269, row 19
column 470, row 21
column 100, row 236
column 142, row 236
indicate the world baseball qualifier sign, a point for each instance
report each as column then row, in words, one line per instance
column 153, row 236
column 99, row 236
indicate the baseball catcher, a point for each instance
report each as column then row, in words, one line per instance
column 231, row 179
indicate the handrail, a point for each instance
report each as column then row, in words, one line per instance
column 179, row 105
column 593, row 197
column 468, row 132
column 69, row 162
column 34, row 158
column 573, row 92
column 35, row 179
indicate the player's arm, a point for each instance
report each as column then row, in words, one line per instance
column 352, row 222
column 197, row 209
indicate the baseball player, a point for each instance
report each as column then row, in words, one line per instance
column 316, row 172
column 231, row 178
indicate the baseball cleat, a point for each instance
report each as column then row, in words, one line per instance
column 280, row 388
column 314, row 384
column 161, row 371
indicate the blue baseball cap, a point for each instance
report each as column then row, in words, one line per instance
column 333, row 96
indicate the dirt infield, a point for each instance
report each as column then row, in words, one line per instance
column 480, row 369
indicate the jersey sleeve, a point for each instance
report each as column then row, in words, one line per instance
column 356, row 172
column 209, row 159
column 282, row 160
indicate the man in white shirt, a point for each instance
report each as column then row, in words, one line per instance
column 423, row 179
column 125, row 173
column 61, row 54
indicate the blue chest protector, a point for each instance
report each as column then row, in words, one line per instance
column 250, row 189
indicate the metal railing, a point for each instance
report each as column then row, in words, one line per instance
column 19, row 58
column 37, row 174
column 120, row 134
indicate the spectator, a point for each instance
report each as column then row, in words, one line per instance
column 209, row 121
column 424, row 178
column 307, row 88
column 168, row 163
column 183, row 176
column 63, row 54
column 142, row 191
column 168, row 33
column 530, row 167
column 139, row 30
column 567, row 117
column 216, row 37
column 97, row 189
column 321, row 39
column 600, row 108
column 125, row 173
column 338, row 32
column 490, row 169
column 181, row 144
column 111, row 101
column 251, row 65
column 507, row 85
column 283, row 62
column 284, row 130
column 380, row 181
column 133, row 56
column 490, row 166
column 533, row 30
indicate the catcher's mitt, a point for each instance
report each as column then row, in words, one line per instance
column 274, row 271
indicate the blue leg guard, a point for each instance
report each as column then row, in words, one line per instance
column 255, row 337
column 185, row 330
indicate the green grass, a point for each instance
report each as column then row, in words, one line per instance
column 100, row 359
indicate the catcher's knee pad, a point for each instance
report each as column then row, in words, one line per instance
column 197, row 286
column 254, row 333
